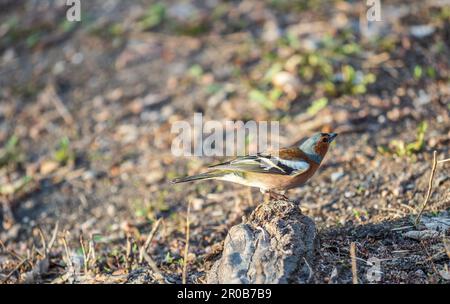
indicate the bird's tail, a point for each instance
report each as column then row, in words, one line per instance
column 207, row 175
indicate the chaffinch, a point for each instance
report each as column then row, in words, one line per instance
column 291, row 168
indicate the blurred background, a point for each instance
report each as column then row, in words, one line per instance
column 86, row 110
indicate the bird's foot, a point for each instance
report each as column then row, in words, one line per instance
column 277, row 196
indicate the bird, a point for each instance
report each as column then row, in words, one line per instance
column 272, row 172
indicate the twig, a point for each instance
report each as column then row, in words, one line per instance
column 44, row 242
column 3, row 245
column 430, row 188
column 430, row 258
column 154, row 267
column 14, row 270
column 444, row 161
column 68, row 256
column 310, row 271
column 186, row 247
column 10, row 252
column 54, row 234
column 128, row 254
column 92, row 249
column 85, row 256
column 353, row 257
column 60, row 107
column 149, row 240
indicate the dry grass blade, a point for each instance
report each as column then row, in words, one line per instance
column 354, row 268
column 430, row 188
column 186, row 247
column 59, row 105
column 444, row 161
column 159, row 276
column 149, row 239
column 91, row 252
column 85, row 256
column 13, row 271
column 68, row 256
column 128, row 254
column 53, row 239
column 43, row 241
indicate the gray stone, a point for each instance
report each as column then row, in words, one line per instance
column 275, row 245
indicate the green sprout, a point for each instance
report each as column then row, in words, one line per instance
column 317, row 106
column 64, row 153
column 153, row 17
column 418, row 72
column 10, row 153
column 401, row 148
column 261, row 98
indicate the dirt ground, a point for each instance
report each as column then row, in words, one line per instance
column 86, row 110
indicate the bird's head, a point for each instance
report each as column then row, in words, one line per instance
column 317, row 145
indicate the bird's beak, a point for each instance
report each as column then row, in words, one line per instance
column 332, row 137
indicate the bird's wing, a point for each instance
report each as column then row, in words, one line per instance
column 285, row 163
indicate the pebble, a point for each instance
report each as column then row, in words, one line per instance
column 88, row 175
column 349, row 194
column 397, row 191
column 419, row 273
column 287, row 82
column 421, row 31
column 336, row 176
column 271, row 31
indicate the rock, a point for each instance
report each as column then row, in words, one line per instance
column 336, row 176
column 48, row 166
column 287, row 82
column 422, row 31
column 271, row 31
column 182, row 12
column 422, row 234
column 275, row 245
column 349, row 194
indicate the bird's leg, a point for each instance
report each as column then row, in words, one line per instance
column 250, row 196
column 266, row 195
column 277, row 196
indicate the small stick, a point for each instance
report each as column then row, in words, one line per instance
column 186, row 247
column 14, row 270
column 66, row 249
column 149, row 240
column 353, row 257
column 430, row 188
column 85, row 256
column 92, row 249
column 154, row 267
column 54, row 234
column 60, row 107
column 128, row 255
column 44, row 242
column 444, row 161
